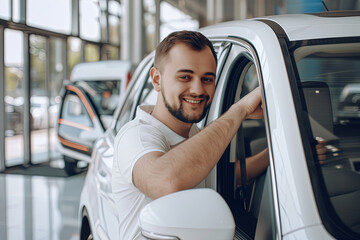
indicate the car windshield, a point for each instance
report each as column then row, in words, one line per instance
column 103, row 94
column 329, row 88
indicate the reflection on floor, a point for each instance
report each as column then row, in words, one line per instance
column 39, row 208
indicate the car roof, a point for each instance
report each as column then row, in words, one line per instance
column 296, row 26
column 101, row 70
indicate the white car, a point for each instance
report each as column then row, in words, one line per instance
column 302, row 63
column 86, row 110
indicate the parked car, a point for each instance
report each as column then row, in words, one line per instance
column 87, row 107
column 300, row 62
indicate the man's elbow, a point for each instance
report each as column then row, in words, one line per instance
column 164, row 189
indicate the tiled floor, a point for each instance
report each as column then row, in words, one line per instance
column 39, row 208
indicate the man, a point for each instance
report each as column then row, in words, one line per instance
column 161, row 151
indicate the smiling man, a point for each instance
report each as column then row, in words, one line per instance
column 161, row 151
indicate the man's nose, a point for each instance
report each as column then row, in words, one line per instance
column 196, row 87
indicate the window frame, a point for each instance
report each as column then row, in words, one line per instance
column 249, row 52
column 328, row 215
column 131, row 98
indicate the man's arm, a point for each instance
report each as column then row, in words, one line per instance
column 157, row 174
column 255, row 165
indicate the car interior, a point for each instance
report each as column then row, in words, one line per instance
column 323, row 91
column 251, row 200
column 341, row 181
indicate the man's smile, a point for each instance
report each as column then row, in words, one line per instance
column 193, row 101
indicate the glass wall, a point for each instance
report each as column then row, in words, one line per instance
column 5, row 9
column 56, row 17
column 16, row 10
column 14, row 100
column 56, row 79
column 89, row 20
column 115, row 12
column 56, row 39
column 109, row 52
column 74, row 52
column 172, row 19
column 39, row 100
column 149, row 21
column 92, row 52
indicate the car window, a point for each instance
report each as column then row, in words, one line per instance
column 129, row 105
column 148, row 95
column 329, row 87
column 248, row 141
column 76, row 130
column 103, row 94
column 222, row 50
column 244, row 200
column 74, row 110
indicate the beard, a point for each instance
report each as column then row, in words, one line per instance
column 180, row 114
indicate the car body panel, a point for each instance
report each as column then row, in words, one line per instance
column 284, row 132
column 311, row 232
column 103, row 70
column 310, row 27
column 296, row 210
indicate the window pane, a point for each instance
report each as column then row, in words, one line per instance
column 92, row 53
column 173, row 19
column 89, row 20
column 57, row 76
column 75, row 111
column 50, row 14
column 114, row 26
column 114, row 8
column 149, row 21
column 330, row 88
column 103, row 24
column 5, row 9
column 102, row 4
column 74, row 52
column 104, row 95
column 16, row 10
column 109, row 53
column 39, row 100
column 14, row 100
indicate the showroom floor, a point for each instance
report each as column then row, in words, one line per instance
column 39, row 207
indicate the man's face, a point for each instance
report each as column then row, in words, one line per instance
column 187, row 82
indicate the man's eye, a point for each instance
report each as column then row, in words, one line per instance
column 186, row 77
column 206, row 79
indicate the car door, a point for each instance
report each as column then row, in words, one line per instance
column 252, row 204
column 78, row 123
column 104, row 150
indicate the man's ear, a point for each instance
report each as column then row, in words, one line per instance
column 155, row 77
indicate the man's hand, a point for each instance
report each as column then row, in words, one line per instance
column 252, row 104
column 321, row 150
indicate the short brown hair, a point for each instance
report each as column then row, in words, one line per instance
column 194, row 40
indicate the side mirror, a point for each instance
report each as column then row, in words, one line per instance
column 190, row 214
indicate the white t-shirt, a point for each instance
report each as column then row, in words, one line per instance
column 138, row 137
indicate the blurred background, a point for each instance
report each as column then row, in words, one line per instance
column 41, row 41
